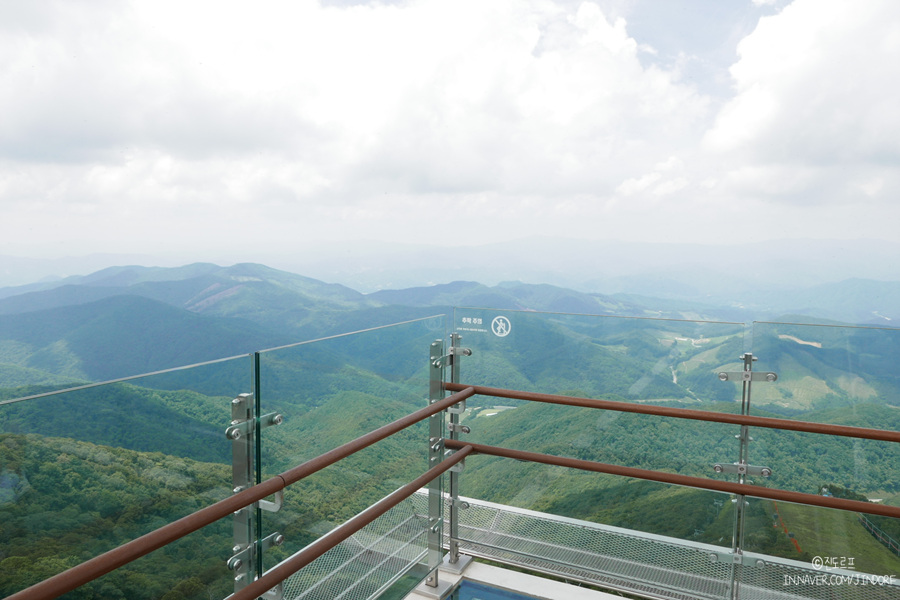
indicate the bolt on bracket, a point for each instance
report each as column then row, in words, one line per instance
column 275, row 539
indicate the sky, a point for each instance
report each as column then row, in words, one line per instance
column 218, row 128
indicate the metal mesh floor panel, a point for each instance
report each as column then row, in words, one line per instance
column 645, row 564
column 616, row 558
column 781, row 578
column 370, row 561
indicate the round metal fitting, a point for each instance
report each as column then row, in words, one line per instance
column 233, row 434
column 279, row 540
column 771, row 377
column 765, row 472
column 277, row 420
column 718, row 469
column 723, row 376
column 235, row 563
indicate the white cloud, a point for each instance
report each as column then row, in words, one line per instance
column 817, row 88
column 300, row 119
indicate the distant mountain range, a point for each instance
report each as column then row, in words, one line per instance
column 127, row 320
column 606, row 266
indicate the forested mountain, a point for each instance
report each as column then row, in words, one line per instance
column 123, row 335
column 127, row 320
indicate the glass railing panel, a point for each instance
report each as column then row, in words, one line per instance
column 827, row 370
column 330, row 392
column 616, row 358
column 682, row 446
column 83, row 471
column 814, row 552
column 827, row 374
column 645, row 361
column 386, row 557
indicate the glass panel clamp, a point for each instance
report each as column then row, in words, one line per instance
column 748, row 376
column 742, row 469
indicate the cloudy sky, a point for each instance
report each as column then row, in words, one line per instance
column 198, row 127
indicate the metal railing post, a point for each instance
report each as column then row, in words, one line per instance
column 245, row 431
column 741, row 502
column 455, row 428
column 240, row 432
column 742, row 467
column 435, row 455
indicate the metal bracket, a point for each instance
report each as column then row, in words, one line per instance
column 276, row 539
column 742, row 469
column 458, row 467
column 238, row 429
column 458, row 408
column 270, row 419
column 276, row 593
column 437, row 450
column 435, row 524
column 240, row 562
column 737, row 558
column 241, row 424
column 459, row 503
column 447, row 359
column 748, row 376
column 459, row 428
column 273, row 506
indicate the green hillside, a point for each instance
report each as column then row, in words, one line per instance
column 176, row 423
column 63, row 501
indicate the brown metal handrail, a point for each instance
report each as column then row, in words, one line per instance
column 101, row 565
column 682, row 413
column 685, row 480
column 685, row 413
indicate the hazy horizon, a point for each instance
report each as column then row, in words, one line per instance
column 603, row 266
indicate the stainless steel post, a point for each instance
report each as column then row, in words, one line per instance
column 435, row 455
